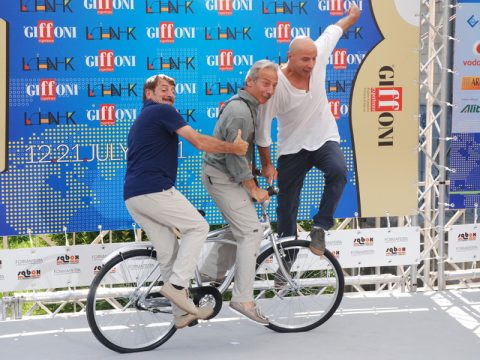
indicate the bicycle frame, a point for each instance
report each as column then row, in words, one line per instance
column 279, row 289
column 268, row 234
column 270, row 240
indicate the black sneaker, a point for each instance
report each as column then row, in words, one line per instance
column 317, row 243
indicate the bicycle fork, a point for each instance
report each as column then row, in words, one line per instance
column 281, row 255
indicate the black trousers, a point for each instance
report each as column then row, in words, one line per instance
column 293, row 168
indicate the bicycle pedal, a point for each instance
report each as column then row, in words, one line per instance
column 202, row 293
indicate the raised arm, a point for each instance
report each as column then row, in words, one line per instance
column 346, row 22
column 210, row 144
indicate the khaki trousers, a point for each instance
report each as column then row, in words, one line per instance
column 157, row 214
column 239, row 212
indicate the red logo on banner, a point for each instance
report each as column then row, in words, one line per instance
column 336, row 7
column 107, row 114
column 283, row 32
column 226, row 60
column 45, row 32
column 104, row 7
column 167, row 34
column 48, row 90
column 28, row 274
column 105, row 60
column 476, row 48
column 340, row 59
column 335, row 108
column 386, row 99
column 224, row 7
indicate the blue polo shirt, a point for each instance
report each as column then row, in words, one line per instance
column 152, row 155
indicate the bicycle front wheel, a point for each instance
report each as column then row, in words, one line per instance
column 309, row 299
column 124, row 308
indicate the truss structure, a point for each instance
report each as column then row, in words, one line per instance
column 434, row 213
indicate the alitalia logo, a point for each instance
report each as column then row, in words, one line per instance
column 471, row 109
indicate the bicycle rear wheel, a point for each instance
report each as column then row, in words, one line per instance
column 310, row 299
column 124, row 308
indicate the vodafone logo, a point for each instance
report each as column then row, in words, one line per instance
column 476, row 48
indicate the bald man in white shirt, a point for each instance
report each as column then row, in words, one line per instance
column 307, row 132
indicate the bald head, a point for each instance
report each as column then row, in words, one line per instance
column 302, row 56
column 300, row 44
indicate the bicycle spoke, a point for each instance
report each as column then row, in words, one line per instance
column 117, row 318
column 309, row 299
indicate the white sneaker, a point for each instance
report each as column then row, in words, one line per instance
column 252, row 313
column 182, row 321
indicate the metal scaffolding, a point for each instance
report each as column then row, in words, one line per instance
column 436, row 42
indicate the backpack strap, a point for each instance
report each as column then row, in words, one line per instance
column 238, row 98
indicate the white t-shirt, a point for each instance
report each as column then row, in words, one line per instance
column 304, row 117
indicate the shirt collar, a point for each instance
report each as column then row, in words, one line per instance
column 249, row 98
column 148, row 103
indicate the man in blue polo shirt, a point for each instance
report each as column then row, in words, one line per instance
column 153, row 201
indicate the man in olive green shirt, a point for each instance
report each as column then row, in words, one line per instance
column 229, row 181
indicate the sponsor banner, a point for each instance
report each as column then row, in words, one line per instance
column 374, row 247
column 52, row 267
column 384, row 105
column 465, row 147
column 75, row 80
column 464, row 243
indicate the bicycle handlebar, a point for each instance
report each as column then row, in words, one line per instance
column 272, row 190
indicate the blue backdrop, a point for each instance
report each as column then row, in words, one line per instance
column 76, row 70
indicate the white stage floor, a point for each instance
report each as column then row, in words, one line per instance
column 433, row 325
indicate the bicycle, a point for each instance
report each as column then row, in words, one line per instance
column 295, row 289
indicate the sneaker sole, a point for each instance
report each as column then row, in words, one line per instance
column 190, row 324
column 246, row 317
column 195, row 320
column 317, row 251
column 177, row 304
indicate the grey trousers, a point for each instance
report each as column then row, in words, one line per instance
column 157, row 214
column 239, row 212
